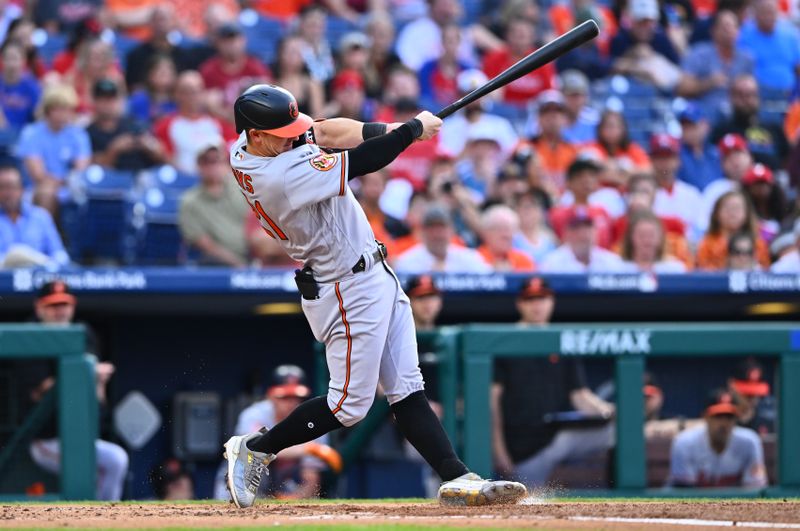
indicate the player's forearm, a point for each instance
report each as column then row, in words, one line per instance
column 376, row 153
column 338, row 133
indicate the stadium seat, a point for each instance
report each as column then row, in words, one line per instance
column 154, row 226
column 263, row 35
column 774, row 103
column 168, row 179
column 336, row 29
column 48, row 45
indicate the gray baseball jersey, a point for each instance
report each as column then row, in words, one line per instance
column 694, row 462
column 302, row 199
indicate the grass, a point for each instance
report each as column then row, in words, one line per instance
column 301, row 527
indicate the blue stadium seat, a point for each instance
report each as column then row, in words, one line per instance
column 49, row 45
column 336, row 29
column 262, row 34
column 774, row 103
column 95, row 219
column 155, row 228
column 168, row 179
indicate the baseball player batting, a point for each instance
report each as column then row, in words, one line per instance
column 351, row 298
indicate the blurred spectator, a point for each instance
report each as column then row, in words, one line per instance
column 456, row 128
column 402, row 84
column 580, row 253
column 768, row 200
column 620, row 155
column 171, row 481
column 417, row 206
column 700, row 164
column 420, row 41
column 61, row 16
column 757, row 408
column 282, row 9
column 426, row 301
column 298, row 475
column 774, row 43
column 446, row 189
column 9, row 12
column 161, row 42
column 742, row 253
column 88, row 29
column 54, row 146
column 790, row 262
column 566, row 15
column 353, row 52
column 592, row 57
column 480, row 163
column 644, row 245
column 766, row 141
column 55, row 307
column 534, row 237
column 118, row 141
column 644, row 50
column 527, row 391
column 554, row 151
column 736, row 161
column 156, row 98
column 674, row 198
column 582, row 181
column 292, row 74
column 718, row 453
column 230, row 70
column 520, row 40
column 19, row 90
column 183, row 131
column 709, row 68
column 436, row 252
column 348, row 97
column 510, row 183
column 316, row 52
column 438, row 78
column 414, row 163
column 132, row 18
column 212, row 213
column 20, row 32
column 382, row 59
column 28, row 235
column 582, row 119
column 95, row 61
column 385, row 227
column 500, row 224
column 791, row 124
column 265, row 250
column 732, row 213
column 200, row 19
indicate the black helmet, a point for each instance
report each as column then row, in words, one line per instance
column 272, row 109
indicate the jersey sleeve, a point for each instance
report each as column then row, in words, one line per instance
column 313, row 176
column 755, row 472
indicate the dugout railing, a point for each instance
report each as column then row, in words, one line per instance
column 75, row 398
column 630, row 345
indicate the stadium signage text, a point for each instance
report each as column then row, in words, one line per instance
column 605, row 342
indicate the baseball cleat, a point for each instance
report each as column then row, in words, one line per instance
column 245, row 468
column 472, row 490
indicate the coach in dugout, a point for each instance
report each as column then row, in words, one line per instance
column 718, row 453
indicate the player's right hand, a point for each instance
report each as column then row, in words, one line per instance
column 430, row 125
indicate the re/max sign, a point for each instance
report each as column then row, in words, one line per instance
column 605, row 342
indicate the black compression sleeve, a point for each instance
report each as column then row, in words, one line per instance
column 375, row 153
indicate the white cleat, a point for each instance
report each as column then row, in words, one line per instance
column 472, row 490
column 245, row 468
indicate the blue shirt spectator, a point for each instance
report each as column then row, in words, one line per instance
column 142, row 107
column 700, row 160
column 19, row 91
column 57, row 149
column 27, row 232
column 775, row 45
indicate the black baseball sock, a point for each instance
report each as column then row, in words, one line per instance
column 420, row 425
column 309, row 420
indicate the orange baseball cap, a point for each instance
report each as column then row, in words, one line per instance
column 55, row 292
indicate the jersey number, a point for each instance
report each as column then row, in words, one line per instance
column 261, row 215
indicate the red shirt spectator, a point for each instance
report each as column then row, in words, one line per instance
column 582, row 180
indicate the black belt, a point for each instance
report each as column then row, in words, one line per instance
column 378, row 254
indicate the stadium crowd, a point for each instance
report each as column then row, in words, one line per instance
column 670, row 143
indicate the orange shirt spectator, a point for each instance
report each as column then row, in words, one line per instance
column 193, row 14
column 499, row 224
column 283, row 9
column 134, row 16
column 712, row 253
column 675, row 240
column 516, row 260
column 562, row 18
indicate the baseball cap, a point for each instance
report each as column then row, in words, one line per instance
column 228, row 30
column 549, row 99
column 758, row 173
column 748, row 379
column 721, row 402
column 469, row 80
column 573, row 81
column 582, row 164
column 535, row 288
column 353, row 39
column 348, row 79
column 651, row 387
column 215, row 142
column 436, row 215
column 580, row 218
column 732, row 142
column 55, row 292
column 643, row 9
column 421, row 286
column 105, row 88
column 288, row 381
column 482, row 130
column 662, row 144
column 691, row 114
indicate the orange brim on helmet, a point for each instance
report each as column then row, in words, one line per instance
column 721, row 409
column 300, row 125
column 748, row 388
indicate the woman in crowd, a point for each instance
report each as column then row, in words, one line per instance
column 292, row 74
column 20, row 32
column 534, row 238
column 768, row 200
column 95, row 61
column 732, row 213
column 644, row 243
column 155, row 100
column 621, row 156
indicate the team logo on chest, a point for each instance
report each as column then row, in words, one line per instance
column 323, row 162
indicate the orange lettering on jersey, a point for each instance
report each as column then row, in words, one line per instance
column 244, row 180
column 323, row 162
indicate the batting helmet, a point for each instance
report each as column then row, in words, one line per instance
column 271, row 109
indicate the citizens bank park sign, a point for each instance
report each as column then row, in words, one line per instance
column 588, row 342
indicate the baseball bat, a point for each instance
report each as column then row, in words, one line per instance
column 547, row 53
